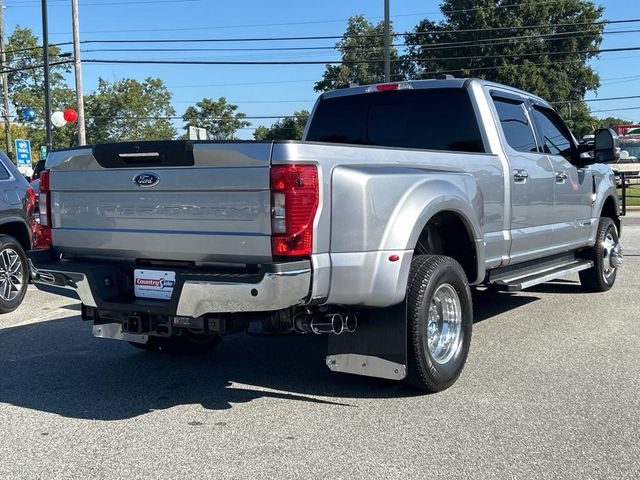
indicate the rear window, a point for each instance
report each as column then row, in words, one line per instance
column 432, row 119
column 515, row 125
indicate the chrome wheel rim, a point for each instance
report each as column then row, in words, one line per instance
column 611, row 255
column 444, row 324
column 11, row 275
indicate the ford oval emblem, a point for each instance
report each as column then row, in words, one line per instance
column 146, row 179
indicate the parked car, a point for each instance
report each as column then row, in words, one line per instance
column 371, row 230
column 17, row 201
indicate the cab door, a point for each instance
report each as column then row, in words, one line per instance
column 573, row 187
column 532, row 180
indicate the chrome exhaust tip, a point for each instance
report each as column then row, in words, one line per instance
column 331, row 323
column 350, row 322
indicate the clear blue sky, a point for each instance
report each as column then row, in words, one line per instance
column 274, row 90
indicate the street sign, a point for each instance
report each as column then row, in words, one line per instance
column 43, row 152
column 23, row 153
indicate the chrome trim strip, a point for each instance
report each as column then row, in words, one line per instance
column 73, row 281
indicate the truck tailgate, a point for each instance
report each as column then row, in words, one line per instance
column 179, row 201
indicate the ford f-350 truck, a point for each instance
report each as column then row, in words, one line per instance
column 372, row 229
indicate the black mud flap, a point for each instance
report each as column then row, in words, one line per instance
column 378, row 347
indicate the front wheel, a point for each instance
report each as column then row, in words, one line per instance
column 606, row 255
column 14, row 274
column 439, row 322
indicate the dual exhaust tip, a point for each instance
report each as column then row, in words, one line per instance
column 332, row 323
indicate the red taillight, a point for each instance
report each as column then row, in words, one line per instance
column 44, row 237
column 294, row 201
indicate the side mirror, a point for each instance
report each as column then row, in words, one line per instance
column 606, row 146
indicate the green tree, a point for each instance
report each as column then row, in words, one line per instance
column 220, row 118
column 289, row 128
column 470, row 41
column 362, row 41
column 577, row 117
column 26, row 86
column 130, row 110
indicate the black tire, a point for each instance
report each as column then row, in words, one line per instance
column 429, row 273
column 597, row 278
column 13, row 267
column 185, row 344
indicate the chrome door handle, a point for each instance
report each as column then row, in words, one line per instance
column 520, row 175
column 561, row 177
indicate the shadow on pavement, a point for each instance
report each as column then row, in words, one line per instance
column 560, row 286
column 58, row 367
column 489, row 303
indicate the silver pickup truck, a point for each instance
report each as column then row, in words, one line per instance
column 372, row 230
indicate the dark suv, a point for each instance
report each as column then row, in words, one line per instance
column 17, row 201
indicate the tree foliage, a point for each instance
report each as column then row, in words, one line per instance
column 549, row 58
column 26, row 86
column 533, row 59
column 290, row 128
column 130, row 110
column 361, row 41
column 219, row 117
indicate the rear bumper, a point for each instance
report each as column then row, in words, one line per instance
column 109, row 287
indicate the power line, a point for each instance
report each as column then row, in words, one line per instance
column 39, row 47
column 616, row 109
column 345, row 62
column 433, row 46
column 335, row 37
column 324, row 62
column 596, row 100
column 34, row 67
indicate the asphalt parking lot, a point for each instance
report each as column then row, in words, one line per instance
column 551, row 390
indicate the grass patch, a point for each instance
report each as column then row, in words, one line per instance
column 633, row 195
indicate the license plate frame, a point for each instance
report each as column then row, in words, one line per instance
column 156, row 284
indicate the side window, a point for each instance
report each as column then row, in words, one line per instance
column 556, row 137
column 515, row 125
column 4, row 174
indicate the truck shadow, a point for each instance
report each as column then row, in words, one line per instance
column 488, row 304
column 58, row 367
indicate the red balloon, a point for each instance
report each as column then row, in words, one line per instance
column 70, row 115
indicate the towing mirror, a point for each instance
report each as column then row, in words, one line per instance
column 606, row 146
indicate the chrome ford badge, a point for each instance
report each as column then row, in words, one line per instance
column 146, row 179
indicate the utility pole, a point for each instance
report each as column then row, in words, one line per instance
column 5, row 86
column 82, row 136
column 387, row 43
column 45, row 48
